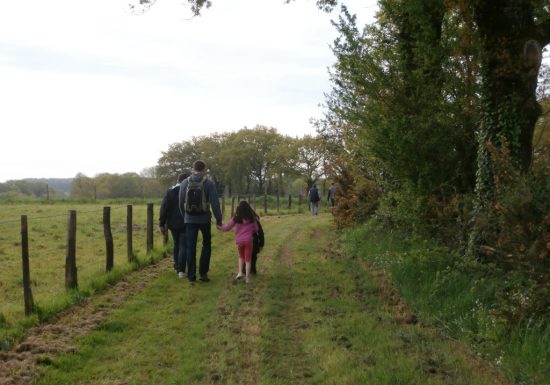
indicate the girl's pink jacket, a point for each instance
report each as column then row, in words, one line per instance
column 244, row 232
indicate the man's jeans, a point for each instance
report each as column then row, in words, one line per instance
column 192, row 234
column 180, row 249
column 314, row 208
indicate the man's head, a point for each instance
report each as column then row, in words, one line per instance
column 199, row 166
column 182, row 177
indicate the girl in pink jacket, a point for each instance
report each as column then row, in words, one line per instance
column 246, row 225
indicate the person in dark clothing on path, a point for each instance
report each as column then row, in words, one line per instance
column 331, row 198
column 314, row 199
column 198, row 199
column 170, row 217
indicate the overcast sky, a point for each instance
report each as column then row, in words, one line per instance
column 86, row 86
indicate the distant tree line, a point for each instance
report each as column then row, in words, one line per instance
column 111, row 186
column 249, row 161
column 25, row 188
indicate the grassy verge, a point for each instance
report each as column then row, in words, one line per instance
column 311, row 316
column 462, row 297
column 47, row 248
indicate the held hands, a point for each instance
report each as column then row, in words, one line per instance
column 219, row 226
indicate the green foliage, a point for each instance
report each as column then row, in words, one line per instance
column 402, row 116
column 515, row 228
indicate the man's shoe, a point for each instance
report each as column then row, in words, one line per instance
column 182, row 274
column 204, row 278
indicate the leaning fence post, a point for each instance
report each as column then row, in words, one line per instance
column 149, row 227
column 27, row 292
column 232, row 206
column 109, row 248
column 71, row 281
column 289, row 201
column 129, row 233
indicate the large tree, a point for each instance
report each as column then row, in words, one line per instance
column 512, row 34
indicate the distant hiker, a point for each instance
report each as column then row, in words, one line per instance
column 331, row 195
column 314, row 199
column 246, row 222
column 171, row 217
column 197, row 196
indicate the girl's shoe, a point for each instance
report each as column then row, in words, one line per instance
column 239, row 276
column 247, row 280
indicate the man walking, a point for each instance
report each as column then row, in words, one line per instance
column 170, row 216
column 314, row 199
column 197, row 196
column 331, row 198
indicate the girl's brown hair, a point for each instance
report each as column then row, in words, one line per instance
column 244, row 211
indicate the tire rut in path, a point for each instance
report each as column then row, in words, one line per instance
column 21, row 364
column 284, row 356
column 237, row 337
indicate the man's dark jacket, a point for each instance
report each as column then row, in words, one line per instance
column 170, row 214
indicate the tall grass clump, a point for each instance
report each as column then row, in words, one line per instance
column 466, row 298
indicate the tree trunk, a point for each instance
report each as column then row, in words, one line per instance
column 510, row 63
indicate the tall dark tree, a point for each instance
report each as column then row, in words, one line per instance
column 512, row 34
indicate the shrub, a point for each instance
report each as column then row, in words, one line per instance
column 357, row 199
column 516, row 234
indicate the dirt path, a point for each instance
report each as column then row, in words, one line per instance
column 21, row 364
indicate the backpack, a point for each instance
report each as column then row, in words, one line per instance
column 196, row 201
column 314, row 195
column 258, row 239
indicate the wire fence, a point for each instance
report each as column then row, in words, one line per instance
column 48, row 233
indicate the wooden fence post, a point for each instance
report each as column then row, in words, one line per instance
column 27, row 292
column 289, row 201
column 109, row 248
column 278, row 203
column 254, row 202
column 149, row 227
column 71, row 281
column 232, row 206
column 265, row 202
column 223, row 207
column 300, row 203
column 129, row 233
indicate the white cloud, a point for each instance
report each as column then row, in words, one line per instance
column 88, row 87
